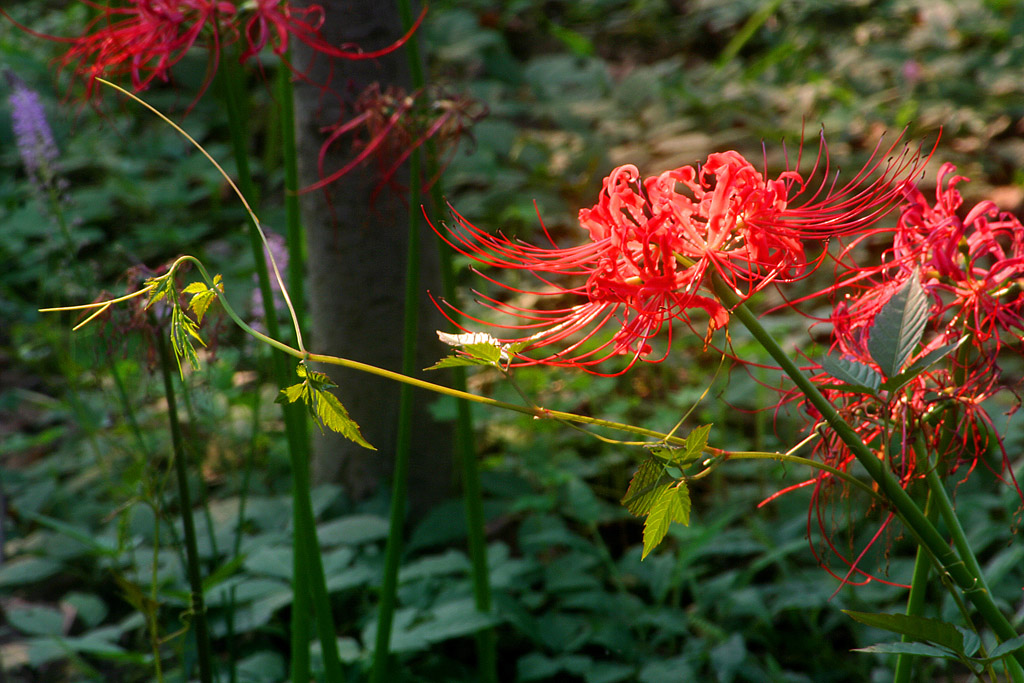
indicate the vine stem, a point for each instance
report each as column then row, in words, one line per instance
column 948, row 562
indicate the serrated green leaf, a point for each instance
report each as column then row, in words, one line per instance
column 184, row 332
column 457, row 361
column 693, row 447
column 291, row 394
column 332, row 414
column 920, row 629
column 672, row 504
column 202, row 296
column 486, row 352
column 319, row 380
column 898, row 327
column 851, row 372
column 163, row 287
column 696, row 442
column 641, row 492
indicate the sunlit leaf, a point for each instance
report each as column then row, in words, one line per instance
column 323, row 406
column 184, row 332
column 291, row 394
column 162, row 287
column 696, row 442
column 457, row 361
column 672, row 504
column 334, row 416
column 203, row 296
column 898, row 327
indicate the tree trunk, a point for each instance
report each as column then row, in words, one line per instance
column 356, row 266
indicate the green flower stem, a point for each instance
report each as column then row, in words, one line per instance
column 472, row 495
column 403, row 441
column 309, row 583
column 198, row 606
column 915, row 601
column 926, row 533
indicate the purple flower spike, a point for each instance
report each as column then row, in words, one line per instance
column 32, row 134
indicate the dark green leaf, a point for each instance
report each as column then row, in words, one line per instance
column 920, row 649
column 1006, row 647
column 917, row 628
column 898, row 327
column 851, row 372
column 36, row 620
column 920, row 365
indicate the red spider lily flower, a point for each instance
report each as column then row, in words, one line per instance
column 273, row 21
column 389, row 124
column 654, row 242
column 145, row 39
column 973, row 267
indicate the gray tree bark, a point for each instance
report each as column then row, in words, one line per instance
column 356, row 268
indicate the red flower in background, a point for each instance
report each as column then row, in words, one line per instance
column 654, row 242
column 145, row 39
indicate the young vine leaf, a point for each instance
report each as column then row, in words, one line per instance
column 184, row 332
column 671, row 504
column 692, row 448
column 203, row 296
column 476, row 348
column 323, row 406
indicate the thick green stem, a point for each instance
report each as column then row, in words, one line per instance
column 309, row 583
column 915, row 601
column 926, row 533
column 202, row 634
column 403, row 441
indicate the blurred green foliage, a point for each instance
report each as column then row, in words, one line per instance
column 91, row 560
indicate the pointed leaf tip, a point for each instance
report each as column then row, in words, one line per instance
column 898, row 327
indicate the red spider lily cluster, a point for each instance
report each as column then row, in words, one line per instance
column 145, row 39
column 971, row 270
column 656, row 242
